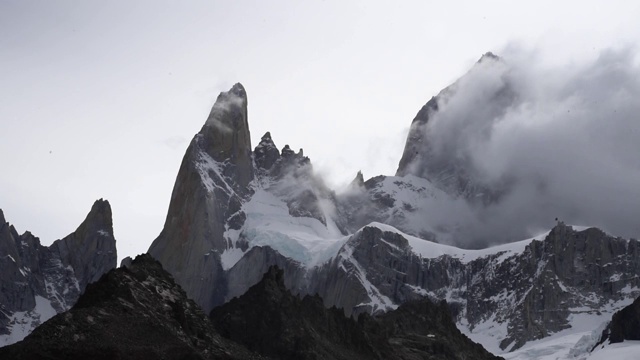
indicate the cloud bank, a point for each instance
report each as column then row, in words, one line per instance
column 556, row 142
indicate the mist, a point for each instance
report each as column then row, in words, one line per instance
column 554, row 141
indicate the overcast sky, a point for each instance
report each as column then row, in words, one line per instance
column 99, row 99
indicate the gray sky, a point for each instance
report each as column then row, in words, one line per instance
column 100, row 99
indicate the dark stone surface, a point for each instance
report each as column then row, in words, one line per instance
column 270, row 320
column 624, row 325
column 266, row 153
column 135, row 312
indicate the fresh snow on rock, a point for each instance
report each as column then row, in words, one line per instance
column 429, row 249
column 230, row 257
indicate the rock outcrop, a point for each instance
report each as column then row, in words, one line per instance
column 624, row 325
column 91, row 249
column 38, row 281
column 135, row 312
column 266, row 153
column 270, row 320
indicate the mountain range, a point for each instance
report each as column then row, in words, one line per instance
column 373, row 252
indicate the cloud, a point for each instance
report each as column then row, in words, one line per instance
column 559, row 141
column 175, row 142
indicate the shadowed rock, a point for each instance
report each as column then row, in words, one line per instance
column 270, row 320
column 135, row 312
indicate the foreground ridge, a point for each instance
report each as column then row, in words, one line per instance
column 270, row 320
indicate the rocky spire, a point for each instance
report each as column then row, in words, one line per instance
column 358, row 181
column 266, row 153
column 225, row 134
column 91, row 249
column 212, row 183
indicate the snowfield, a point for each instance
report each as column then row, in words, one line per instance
column 22, row 323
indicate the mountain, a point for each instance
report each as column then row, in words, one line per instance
column 235, row 212
column 38, row 281
column 270, row 320
column 135, row 312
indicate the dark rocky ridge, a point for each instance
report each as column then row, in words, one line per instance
column 58, row 273
column 137, row 312
column 272, row 321
column 532, row 291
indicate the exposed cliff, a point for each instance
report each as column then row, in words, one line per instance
column 207, row 196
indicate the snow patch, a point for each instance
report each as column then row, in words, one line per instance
column 230, row 257
column 22, row 323
column 103, row 233
column 208, row 167
column 430, row 250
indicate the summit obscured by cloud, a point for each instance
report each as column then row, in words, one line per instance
column 552, row 141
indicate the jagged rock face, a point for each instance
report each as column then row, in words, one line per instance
column 624, row 325
column 206, row 200
column 137, row 312
column 91, row 249
column 272, row 321
column 266, row 153
column 528, row 295
column 449, row 165
column 38, row 281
